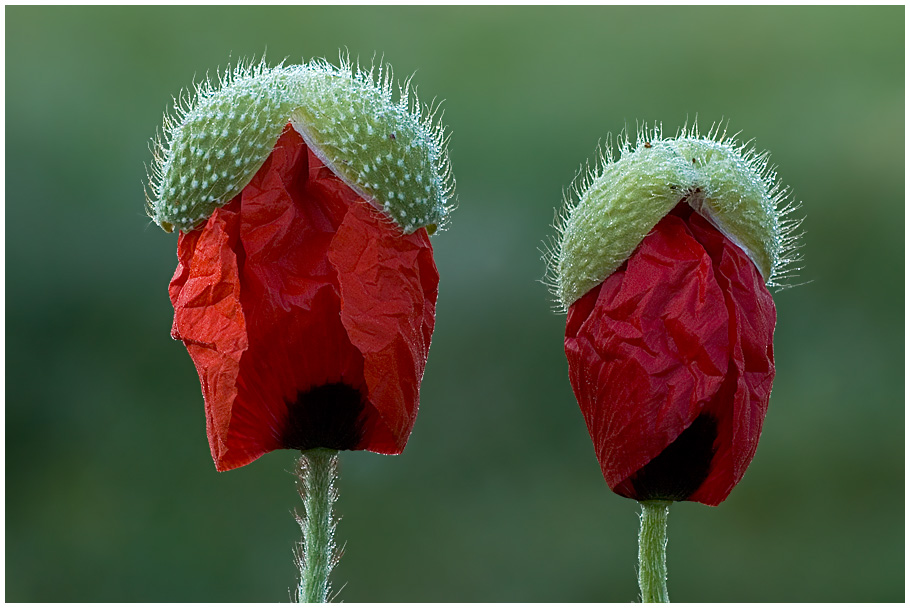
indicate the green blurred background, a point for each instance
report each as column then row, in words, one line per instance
column 111, row 494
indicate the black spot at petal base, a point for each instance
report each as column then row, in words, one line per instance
column 327, row 416
column 678, row 471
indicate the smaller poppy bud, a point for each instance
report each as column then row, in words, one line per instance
column 662, row 265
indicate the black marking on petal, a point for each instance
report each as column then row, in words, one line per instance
column 678, row 471
column 327, row 416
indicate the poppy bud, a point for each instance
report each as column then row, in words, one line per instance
column 662, row 265
column 306, row 288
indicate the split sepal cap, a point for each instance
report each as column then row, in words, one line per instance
column 390, row 152
column 612, row 208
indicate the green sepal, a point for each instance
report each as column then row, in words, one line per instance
column 617, row 205
column 386, row 150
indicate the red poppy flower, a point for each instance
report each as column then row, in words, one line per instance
column 671, row 361
column 307, row 313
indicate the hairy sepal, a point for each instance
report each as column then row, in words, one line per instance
column 391, row 152
column 616, row 206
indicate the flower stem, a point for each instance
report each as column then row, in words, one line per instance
column 652, row 551
column 317, row 471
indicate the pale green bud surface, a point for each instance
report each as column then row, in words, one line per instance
column 386, row 150
column 618, row 204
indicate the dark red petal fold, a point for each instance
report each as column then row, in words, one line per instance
column 307, row 313
column 671, row 361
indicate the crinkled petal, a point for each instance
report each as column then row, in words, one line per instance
column 300, row 379
column 657, row 360
column 651, row 351
column 751, row 368
column 389, row 285
column 208, row 316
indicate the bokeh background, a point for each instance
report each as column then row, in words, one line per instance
column 111, row 494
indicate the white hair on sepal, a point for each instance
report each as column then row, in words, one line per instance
column 222, row 128
column 610, row 209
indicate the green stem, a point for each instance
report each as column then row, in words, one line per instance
column 317, row 471
column 652, row 551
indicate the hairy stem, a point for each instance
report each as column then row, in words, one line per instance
column 652, row 551
column 317, row 471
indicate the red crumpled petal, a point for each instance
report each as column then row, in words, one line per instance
column 307, row 313
column 679, row 339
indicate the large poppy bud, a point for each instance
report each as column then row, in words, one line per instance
column 306, row 288
column 669, row 335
